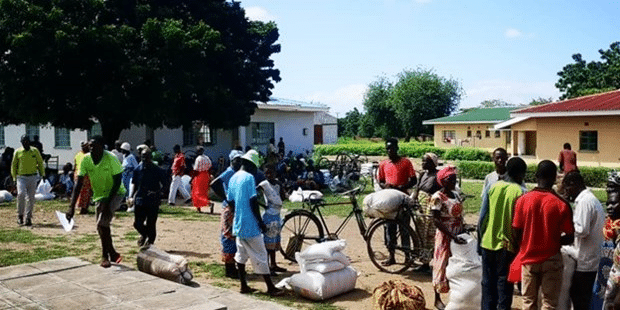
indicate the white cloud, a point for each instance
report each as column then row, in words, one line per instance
column 258, row 13
column 512, row 33
column 341, row 100
column 514, row 92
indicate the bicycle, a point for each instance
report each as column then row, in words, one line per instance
column 302, row 226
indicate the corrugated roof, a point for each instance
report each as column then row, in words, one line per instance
column 609, row 101
column 273, row 101
column 488, row 115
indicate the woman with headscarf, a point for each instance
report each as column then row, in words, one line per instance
column 201, row 180
column 447, row 208
column 423, row 191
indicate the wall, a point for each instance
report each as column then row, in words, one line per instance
column 489, row 144
column 13, row 133
column 330, row 134
column 552, row 133
column 289, row 126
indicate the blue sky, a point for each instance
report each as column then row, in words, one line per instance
column 508, row 50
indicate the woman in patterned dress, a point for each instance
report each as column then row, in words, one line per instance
column 447, row 208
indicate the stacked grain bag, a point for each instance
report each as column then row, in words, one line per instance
column 324, row 272
column 44, row 191
column 464, row 273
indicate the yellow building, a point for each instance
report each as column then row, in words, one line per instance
column 474, row 128
column 591, row 124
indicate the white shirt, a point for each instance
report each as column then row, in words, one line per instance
column 588, row 219
column 489, row 180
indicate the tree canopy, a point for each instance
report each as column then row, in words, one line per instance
column 585, row 78
column 121, row 62
column 397, row 110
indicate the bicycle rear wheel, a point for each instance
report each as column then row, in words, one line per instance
column 300, row 229
column 395, row 256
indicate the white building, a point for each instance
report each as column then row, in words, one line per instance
column 325, row 128
column 294, row 121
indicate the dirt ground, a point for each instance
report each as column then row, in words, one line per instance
column 198, row 240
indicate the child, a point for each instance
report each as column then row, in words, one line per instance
column 273, row 192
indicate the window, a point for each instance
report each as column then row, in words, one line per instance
column 469, row 134
column 588, row 140
column 261, row 133
column 2, row 142
column 198, row 134
column 95, row 130
column 449, row 136
column 478, row 134
column 487, row 134
column 31, row 131
column 498, row 134
column 62, row 138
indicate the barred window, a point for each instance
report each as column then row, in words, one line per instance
column 95, row 130
column 2, row 141
column 487, row 134
column 62, row 138
column 588, row 141
column 31, row 131
column 198, row 134
column 498, row 134
column 261, row 133
column 448, row 135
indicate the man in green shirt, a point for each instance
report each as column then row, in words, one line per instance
column 497, row 243
column 27, row 162
column 105, row 173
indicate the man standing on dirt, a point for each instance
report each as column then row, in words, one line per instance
column 178, row 169
column 396, row 172
column 500, row 156
column 105, row 173
column 567, row 159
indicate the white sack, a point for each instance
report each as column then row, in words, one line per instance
column 323, row 267
column 464, row 273
column 304, row 264
column 324, row 249
column 385, row 203
column 48, row 196
column 301, row 195
column 318, row 286
column 5, row 196
column 185, row 182
column 44, row 187
column 161, row 264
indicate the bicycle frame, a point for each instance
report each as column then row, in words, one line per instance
column 315, row 208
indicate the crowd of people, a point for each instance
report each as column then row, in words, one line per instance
column 525, row 236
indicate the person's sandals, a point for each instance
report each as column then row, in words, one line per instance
column 247, row 290
column 388, row 262
column 105, row 263
column 116, row 258
column 276, row 292
column 277, row 269
column 142, row 241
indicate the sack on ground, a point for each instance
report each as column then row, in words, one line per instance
column 322, row 266
column 164, row 265
column 464, row 273
column 318, row 286
column 323, row 250
column 302, row 195
column 398, row 295
column 5, row 196
column 385, row 203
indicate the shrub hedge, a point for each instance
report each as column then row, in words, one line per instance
column 593, row 176
column 410, row 149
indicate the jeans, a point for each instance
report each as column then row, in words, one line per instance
column 496, row 290
column 26, row 188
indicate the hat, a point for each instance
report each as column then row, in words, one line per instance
column 252, row 156
column 234, row 154
column 444, row 174
column 126, row 146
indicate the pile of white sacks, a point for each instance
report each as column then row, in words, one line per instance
column 5, row 196
column 324, row 272
column 44, row 191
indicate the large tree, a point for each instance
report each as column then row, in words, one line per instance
column 121, row 62
column 584, row 78
column 348, row 126
column 380, row 115
column 420, row 95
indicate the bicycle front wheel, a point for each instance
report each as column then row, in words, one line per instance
column 300, row 229
column 390, row 245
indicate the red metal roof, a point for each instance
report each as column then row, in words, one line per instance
column 609, row 101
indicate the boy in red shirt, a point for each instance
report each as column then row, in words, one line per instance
column 543, row 222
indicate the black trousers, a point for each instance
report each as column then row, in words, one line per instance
column 581, row 289
column 145, row 220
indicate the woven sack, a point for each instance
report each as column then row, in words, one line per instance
column 397, row 295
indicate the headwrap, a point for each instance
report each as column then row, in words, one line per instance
column 234, row 154
column 613, row 178
column 433, row 157
column 444, row 174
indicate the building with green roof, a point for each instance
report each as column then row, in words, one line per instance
column 473, row 128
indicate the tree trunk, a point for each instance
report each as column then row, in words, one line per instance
column 407, row 137
column 111, row 131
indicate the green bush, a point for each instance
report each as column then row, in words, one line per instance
column 467, row 153
column 593, row 176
